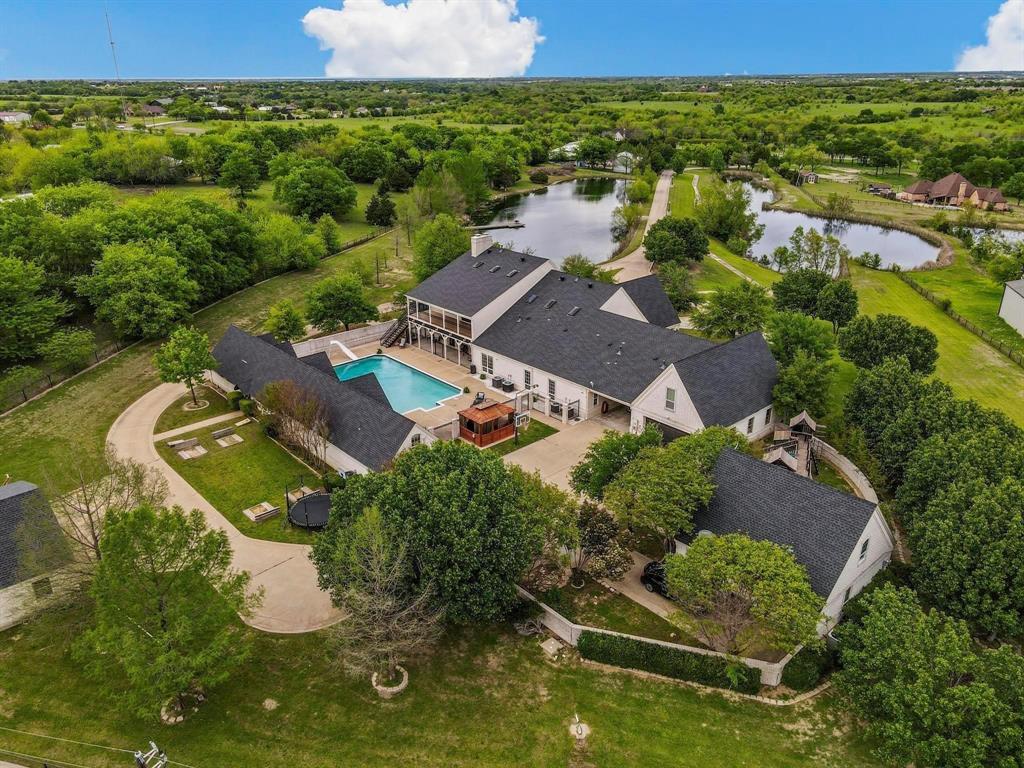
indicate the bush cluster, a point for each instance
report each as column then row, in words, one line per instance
column 671, row 662
column 805, row 670
column 234, row 399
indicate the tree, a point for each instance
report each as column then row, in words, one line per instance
column 470, row 529
column 736, row 593
column 282, row 243
column 328, row 232
column 789, row 332
column 338, row 300
column 1014, row 186
column 313, row 189
column 166, row 607
column 185, row 358
column 100, row 484
column 300, row 418
column 799, row 291
column 71, row 348
column 385, row 622
column 239, row 173
column 837, row 303
column 928, row 696
column 803, row 385
column 879, row 395
column 811, row 250
column 675, row 240
column 837, row 206
column 867, row 341
column 27, row 315
column 733, row 311
column 724, row 212
column 678, row 284
column 606, row 456
column 436, row 244
column 285, row 321
column 141, row 290
column 974, row 573
column 579, row 265
column 602, row 550
column 380, row 211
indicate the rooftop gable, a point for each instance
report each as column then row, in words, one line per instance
column 31, row 542
column 651, row 299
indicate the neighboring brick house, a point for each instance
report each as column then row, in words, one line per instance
column 953, row 189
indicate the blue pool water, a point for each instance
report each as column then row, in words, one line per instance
column 405, row 387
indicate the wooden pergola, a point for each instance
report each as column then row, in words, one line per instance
column 487, row 422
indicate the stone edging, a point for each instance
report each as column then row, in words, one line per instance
column 710, row 689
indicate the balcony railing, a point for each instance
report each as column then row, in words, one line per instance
column 445, row 322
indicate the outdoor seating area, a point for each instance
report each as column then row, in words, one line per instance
column 487, row 422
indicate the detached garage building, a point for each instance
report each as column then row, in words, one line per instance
column 1011, row 308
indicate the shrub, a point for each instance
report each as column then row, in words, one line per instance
column 539, row 177
column 233, row 399
column 332, row 481
column 247, row 406
column 670, row 662
column 806, row 669
column 945, row 304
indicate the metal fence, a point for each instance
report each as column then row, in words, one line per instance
column 946, row 307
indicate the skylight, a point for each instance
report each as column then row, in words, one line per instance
column 550, row 304
column 573, row 311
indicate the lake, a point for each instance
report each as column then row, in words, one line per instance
column 571, row 217
column 893, row 245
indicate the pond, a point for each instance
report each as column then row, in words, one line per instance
column 571, row 217
column 893, row 245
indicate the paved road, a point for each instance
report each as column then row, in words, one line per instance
column 635, row 264
column 292, row 601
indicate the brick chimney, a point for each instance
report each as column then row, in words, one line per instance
column 479, row 243
column 962, row 190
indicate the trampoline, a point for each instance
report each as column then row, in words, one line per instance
column 311, row 512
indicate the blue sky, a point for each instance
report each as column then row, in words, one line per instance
column 224, row 38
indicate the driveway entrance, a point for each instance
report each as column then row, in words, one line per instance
column 555, row 456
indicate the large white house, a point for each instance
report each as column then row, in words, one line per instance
column 580, row 347
column 1011, row 307
column 842, row 540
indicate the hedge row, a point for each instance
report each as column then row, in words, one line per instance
column 670, row 662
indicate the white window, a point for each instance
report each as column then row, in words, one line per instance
column 768, row 416
column 416, row 438
column 864, row 550
column 750, row 425
column 527, row 379
column 551, row 388
column 670, row 399
column 846, row 595
column 487, row 363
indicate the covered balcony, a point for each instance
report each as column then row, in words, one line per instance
column 440, row 318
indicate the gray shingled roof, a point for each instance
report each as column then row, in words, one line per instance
column 612, row 354
column 1017, row 286
column 31, row 542
column 363, row 427
column 821, row 525
column 463, row 287
column 650, row 298
column 731, row 381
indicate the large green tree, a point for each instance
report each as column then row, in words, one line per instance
column 606, row 456
column 285, row 321
column 27, row 314
column 185, row 358
column 436, row 244
column 239, row 174
column 733, row 311
column 790, row 332
column 166, row 609
column 867, row 341
column 675, row 240
column 338, row 300
column 803, row 384
column 799, row 291
column 837, row 303
column 737, row 593
column 313, row 189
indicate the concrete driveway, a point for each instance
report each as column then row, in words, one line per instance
column 292, row 600
column 555, row 456
column 635, row 263
column 631, row 587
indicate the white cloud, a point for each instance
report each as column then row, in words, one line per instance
column 425, row 38
column 1004, row 49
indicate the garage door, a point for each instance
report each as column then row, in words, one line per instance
column 668, row 433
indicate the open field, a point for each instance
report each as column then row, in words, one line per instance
column 489, row 698
column 77, row 415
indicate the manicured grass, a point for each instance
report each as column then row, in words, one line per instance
column 78, row 414
column 709, row 275
column 176, row 416
column 969, row 365
column 486, row 698
column 241, row 476
column 828, row 476
column 759, row 274
column 537, row 430
column 597, row 606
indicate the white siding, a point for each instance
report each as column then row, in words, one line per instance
column 19, row 603
column 485, row 317
column 565, row 391
column 859, row 571
column 621, row 304
column 763, row 421
column 1011, row 309
column 651, row 405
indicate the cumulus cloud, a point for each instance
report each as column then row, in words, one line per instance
column 1004, row 48
column 425, row 38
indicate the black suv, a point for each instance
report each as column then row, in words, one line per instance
column 653, row 578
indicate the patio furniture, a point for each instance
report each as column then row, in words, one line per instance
column 181, row 445
column 219, row 433
column 480, row 397
column 260, row 512
column 487, row 422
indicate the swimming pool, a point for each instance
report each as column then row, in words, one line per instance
column 406, row 388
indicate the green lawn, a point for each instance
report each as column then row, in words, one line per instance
column 487, row 698
column 709, row 275
column 969, row 365
column 537, row 430
column 78, row 414
column 828, row 476
column 176, row 416
column 241, row 476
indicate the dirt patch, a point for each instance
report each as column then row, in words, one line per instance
column 270, row 705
